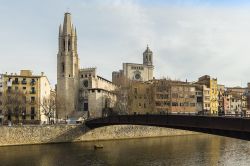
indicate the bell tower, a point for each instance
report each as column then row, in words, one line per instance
column 148, row 57
column 67, row 70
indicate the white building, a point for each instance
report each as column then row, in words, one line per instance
column 96, row 93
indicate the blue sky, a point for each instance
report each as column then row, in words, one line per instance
column 195, row 2
column 188, row 38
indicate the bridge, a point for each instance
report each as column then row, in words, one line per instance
column 235, row 127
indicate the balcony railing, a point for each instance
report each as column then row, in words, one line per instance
column 33, row 92
column 24, row 82
column 15, row 82
column 33, row 102
column 32, row 83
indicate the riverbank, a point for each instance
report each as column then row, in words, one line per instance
column 45, row 134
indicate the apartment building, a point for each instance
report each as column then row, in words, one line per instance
column 22, row 97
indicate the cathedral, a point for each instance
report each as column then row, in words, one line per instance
column 80, row 91
column 137, row 72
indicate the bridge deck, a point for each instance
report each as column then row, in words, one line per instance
column 236, row 127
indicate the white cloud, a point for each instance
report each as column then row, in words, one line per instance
column 187, row 41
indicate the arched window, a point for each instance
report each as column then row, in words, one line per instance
column 63, row 67
column 69, row 45
column 64, row 45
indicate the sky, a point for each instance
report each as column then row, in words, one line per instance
column 189, row 38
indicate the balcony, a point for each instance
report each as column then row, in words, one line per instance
column 32, row 83
column 33, row 102
column 33, row 92
column 15, row 82
column 24, row 82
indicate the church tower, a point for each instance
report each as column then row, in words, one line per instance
column 67, row 70
column 148, row 57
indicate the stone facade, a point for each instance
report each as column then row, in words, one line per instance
column 33, row 88
column 96, row 93
column 80, row 92
column 23, row 135
column 174, row 96
column 136, row 72
column 141, row 98
column 162, row 96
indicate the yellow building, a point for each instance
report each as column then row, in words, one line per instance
column 211, row 83
column 22, row 97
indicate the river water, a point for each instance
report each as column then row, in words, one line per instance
column 177, row 150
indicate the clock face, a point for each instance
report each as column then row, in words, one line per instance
column 137, row 76
column 86, row 83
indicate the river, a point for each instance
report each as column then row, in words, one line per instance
column 176, row 150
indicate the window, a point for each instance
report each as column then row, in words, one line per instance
column 24, row 81
column 33, row 81
column 32, row 112
column 33, row 91
column 9, row 89
column 135, row 90
column 32, row 99
column 63, row 67
column 16, row 80
column 69, row 45
column 175, row 95
column 199, row 99
column 85, row 106
column 24, row 114
column 64, row 44
column 174, row 104
column 24, row 88
column 98, row 90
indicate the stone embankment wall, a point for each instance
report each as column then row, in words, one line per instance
column 20, row 135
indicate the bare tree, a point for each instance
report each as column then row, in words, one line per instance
column 122, row 96
column 48, row 106
column 14, row 103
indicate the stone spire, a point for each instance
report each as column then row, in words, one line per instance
column 67, row 69
column 67, row 25
column 60, row 30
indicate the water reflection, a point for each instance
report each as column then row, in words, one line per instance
column 180, row 150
